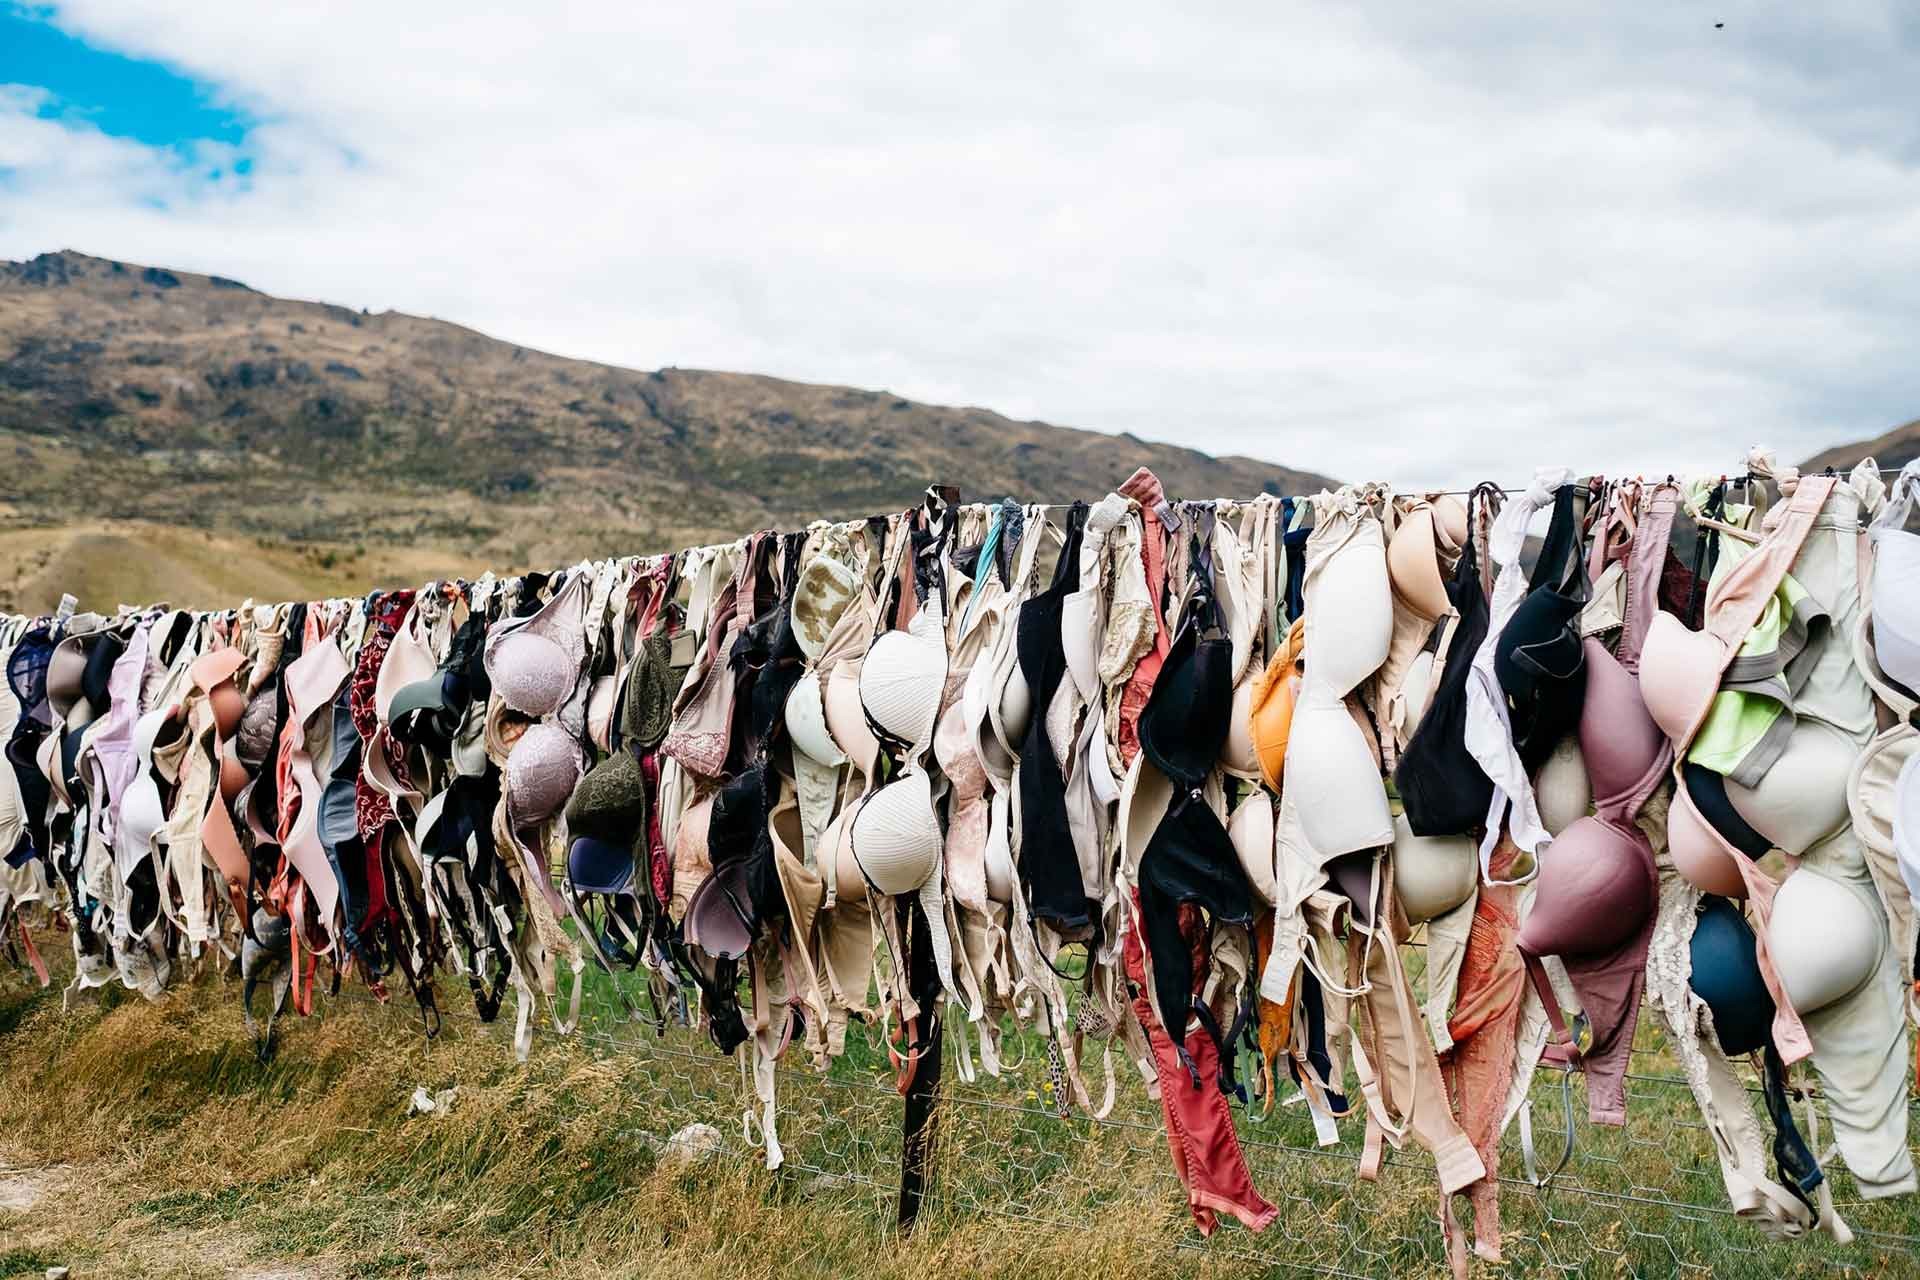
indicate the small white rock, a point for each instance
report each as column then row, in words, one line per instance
column 421, row 1103
column 693, row 1143
column 57, row 1273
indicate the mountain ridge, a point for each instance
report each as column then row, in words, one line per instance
column 135, row 392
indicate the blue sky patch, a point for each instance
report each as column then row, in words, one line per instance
column 122, row 96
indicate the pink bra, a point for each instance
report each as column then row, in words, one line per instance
column 1598, row 889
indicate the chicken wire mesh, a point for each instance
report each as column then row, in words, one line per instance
column 1643, row 1200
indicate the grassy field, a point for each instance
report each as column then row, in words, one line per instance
column 145, row 1140
column 133, row 563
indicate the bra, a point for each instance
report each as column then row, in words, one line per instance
column 1349, row 627
column 1443, row 790
column 535, row 662
column 1598, row 889
column 1432, row 527
column 1539, row 658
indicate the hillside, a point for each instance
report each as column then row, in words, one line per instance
column 133, row 393
column 1894, row 449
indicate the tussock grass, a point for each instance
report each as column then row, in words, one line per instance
column 197, row 1158
column 180, row 1155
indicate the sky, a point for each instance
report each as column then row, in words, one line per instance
column 1394, row 240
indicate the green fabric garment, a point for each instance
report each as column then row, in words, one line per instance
column 1751, row 717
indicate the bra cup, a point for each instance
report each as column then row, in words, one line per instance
column 141, row 816
column 1619, row 740
column 1825, row 940
column 1355, row 598
column 233, row 775
column 541, row 771
column 1000, row 873
column 846, row 720
column 1679, row 672
column 1904, row 821
column 1413, row 566
column 1271, row 714
column 806, row 720
column 895, row 835
column 1432, row 874
column 1416, row 692
column 1329, row 761
column 1725, row 972
column 1251, row 830
column 902, row 679
column 229, row 705
column 531, row 673
column 1237, row 754
column 1562, row 789
column 825, row 590
column 1144, row 798
column 1016, row 705
column 690, row 863
column 834, row 845
column 1700, row 857
column 601, row 699
column 1450, row 521
column 1896, row 605
column 1596, row 890
column 1803, row 797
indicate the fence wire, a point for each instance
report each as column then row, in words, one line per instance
column 1643, row 1200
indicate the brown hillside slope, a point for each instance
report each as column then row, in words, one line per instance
column 139, row 393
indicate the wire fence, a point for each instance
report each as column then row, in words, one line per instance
column 1643, row 1200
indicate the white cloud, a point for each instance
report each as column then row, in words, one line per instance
column 1421, row 242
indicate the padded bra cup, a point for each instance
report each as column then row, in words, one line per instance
column 1431, row 874
column 1824, row 938
column 1562, row 790
column 1540, row 662
column 1707, row 791
column 1416, row 690
column 1803, row 797
column 1618, row 739
column 1698, row 852
column 141, row 816
column 531, row 673
column 1413, row 565
column 229, row 704
column 1726, row 974
column 902, row 678
column 846, row 717
column 1595, row 892
column 1896, row 605
column 541, row 772
column 1679, row 672
column 1329, row 761
column 1353, row 619
column 896, row 837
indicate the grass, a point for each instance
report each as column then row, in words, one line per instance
column 178, row 1154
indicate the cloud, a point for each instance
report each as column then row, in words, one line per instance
column 1422, row 243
